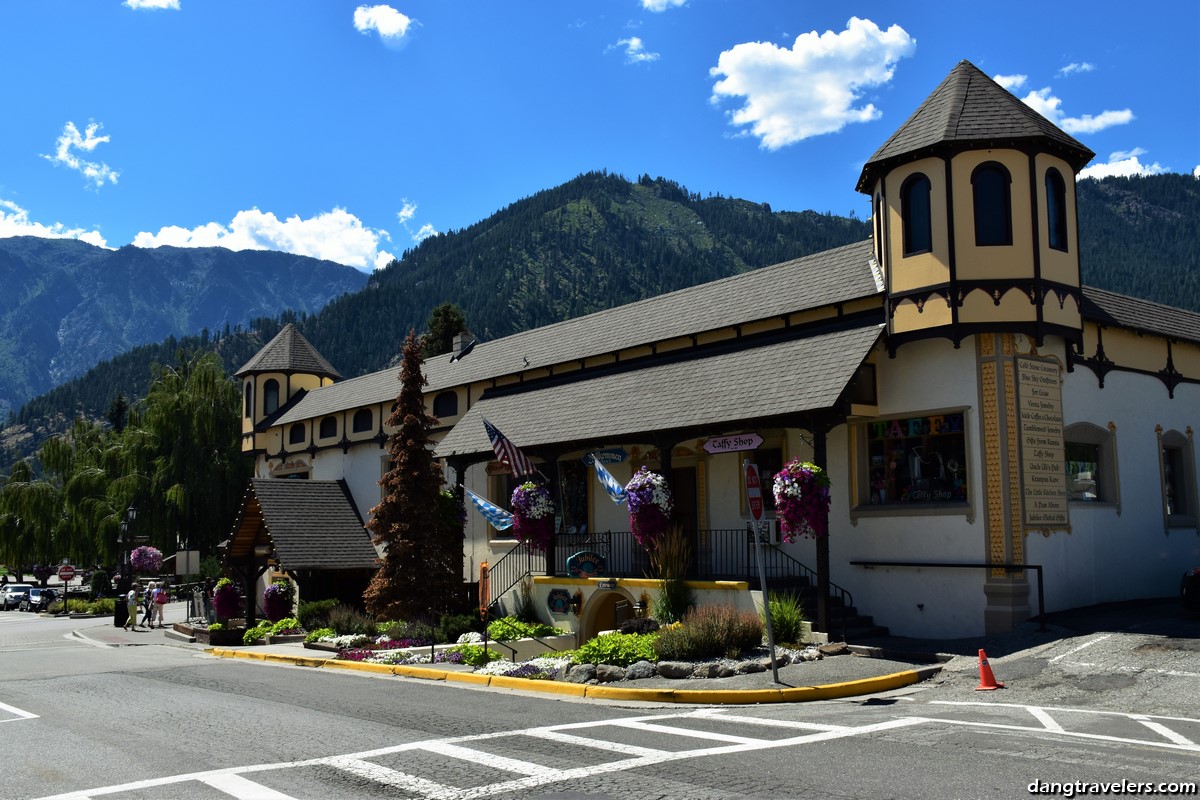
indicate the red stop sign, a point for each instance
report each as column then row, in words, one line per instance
column 66, row 573
column 754, row 492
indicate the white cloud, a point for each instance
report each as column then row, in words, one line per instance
column 1049, row 106
column 635, row 51
column 71, row 139
column 152, row 4
column 334, row 235
column 1011, row 82
column 1124, row 164
column 1073, row 67
column 406, row 214
column 810, row 89
column 1196, row 172
column 389, row 23
column 14, row 221
column 658, row 6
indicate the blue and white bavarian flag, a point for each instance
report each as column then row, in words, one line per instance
column 494, row 514
column 611, row 485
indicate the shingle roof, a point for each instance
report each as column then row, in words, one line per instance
column 1110, row 308
column 969, row 109
column 826, row 278
column 289, row 352
column 778, row 379
column 313, row 524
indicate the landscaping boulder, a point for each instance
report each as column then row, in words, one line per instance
column 834, row 649
column 746, row 667
column 639, row 670
column 582, row 673
column 675, row 669
column 607, row 673
column 715, row 669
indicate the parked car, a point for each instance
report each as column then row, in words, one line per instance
column 14, row 593
column 38, row 599
column 1189, row 589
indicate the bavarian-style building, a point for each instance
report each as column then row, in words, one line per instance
column 1000, row 438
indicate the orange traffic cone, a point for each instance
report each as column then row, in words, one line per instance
column 987, row 681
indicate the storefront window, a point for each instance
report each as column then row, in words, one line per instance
column 916, row 460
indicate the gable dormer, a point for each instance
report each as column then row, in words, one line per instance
column 973, row 203
column 285, row 367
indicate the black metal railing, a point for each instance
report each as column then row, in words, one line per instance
column 718, row 554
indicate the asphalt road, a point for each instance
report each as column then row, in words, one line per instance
column 165, row 722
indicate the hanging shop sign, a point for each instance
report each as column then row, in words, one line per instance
column 613, row 455
column 733, row 443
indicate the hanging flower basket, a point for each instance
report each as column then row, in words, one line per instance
column 533, row 515
column 277, row 600
column 650, row 506
column 226, row 602
column 802, row 500
column 146, row 560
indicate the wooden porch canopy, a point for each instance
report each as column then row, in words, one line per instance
column 303, row 525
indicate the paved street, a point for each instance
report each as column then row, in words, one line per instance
column 161, row 721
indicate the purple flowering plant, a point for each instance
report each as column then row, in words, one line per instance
column 650, row 506
column 533, row 515
column 801, row 492
column 226, row 602
column 277, row 600
column 146, row 560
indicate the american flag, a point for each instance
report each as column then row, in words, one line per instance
column 497, row 516
column 508, row 452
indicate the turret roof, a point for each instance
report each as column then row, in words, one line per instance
column 967, row 110
column 291, row 353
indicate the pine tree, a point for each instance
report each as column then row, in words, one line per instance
column 421, row 571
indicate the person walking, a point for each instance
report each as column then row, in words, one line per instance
column 160, row 605
column 131, row 603
column 148, row 605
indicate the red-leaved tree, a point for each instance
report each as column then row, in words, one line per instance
column 421, row 573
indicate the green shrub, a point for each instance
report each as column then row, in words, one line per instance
column 474, row 654
column 104, row 606
column 670, row 559
column 618, row 649
column 451, row 626
column 256, row 634
column 787, row 618
column 508, row 628
column 417, row 631
column 346, row 620
column 216, row 626
column 640, row 625
column 710, row 632
column 101, row 586
column 315, row 614
column 320, row 633
column 286, row 624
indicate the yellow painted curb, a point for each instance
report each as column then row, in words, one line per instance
column 797, row 694
column 548, row 687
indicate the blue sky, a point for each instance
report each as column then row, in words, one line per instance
column 349, row 131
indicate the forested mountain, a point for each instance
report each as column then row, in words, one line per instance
column 599, row 241
column 66, row 305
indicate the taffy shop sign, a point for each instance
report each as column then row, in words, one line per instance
column 917, row 426
column 733, row 443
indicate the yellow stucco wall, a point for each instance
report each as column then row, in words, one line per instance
column 923, row 269
column 979, row 263
column 1057, row 265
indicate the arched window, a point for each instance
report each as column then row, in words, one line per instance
column 271, row 396
column 248, row 399
column 328, row 428
column 364, row 420
column 445, row 404
column 296, row 433
column 990, row 184
column 1056, row 209
column 915, row 215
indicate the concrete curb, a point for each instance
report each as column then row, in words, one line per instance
column 798, row 694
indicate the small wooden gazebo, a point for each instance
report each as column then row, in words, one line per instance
column 309, row 530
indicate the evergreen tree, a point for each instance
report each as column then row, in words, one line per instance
column 422, row 564
column 117, row 412
column 445, row 322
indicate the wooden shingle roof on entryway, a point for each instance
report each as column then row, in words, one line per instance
column 310, row 524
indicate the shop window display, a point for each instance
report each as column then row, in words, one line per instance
column 916, row 460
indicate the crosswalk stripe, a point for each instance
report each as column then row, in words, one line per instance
column 1163, row 730
column 599, row 744
column 775, row 723
column 489, row 760
column 391, row 777
column 716, row 737
column 242, row 788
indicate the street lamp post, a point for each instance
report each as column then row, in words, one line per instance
column 124, row 580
